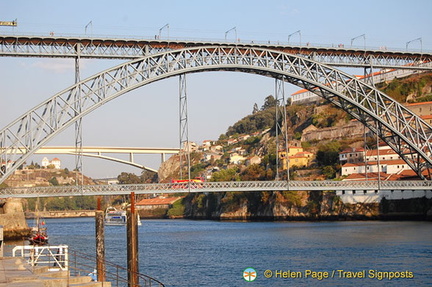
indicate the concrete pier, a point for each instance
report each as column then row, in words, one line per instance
column 16, row 272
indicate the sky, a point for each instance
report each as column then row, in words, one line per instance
column 149, row 116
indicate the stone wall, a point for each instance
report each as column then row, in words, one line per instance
column 13, row 220
column 352, row 129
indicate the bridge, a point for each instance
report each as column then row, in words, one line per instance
column 245, row 186
column 98, row 151
column 103, row 48
column 312, row 68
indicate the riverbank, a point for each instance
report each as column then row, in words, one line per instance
column 60, row 214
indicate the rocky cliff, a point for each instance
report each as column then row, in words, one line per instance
column 305, row 205
column 287, row 205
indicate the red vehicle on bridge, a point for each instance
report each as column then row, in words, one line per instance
column 185, row 183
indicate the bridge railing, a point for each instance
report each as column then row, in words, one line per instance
column 199, row 40
column 247, row 186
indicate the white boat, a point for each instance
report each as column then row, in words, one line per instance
column 114, row 216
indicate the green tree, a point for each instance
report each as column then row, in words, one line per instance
column 269, row 102
column 53, row 181
column 148, row 177
column 329, row 172
column 226, row 175
column 328, row 154
column 253, row 172
column 255, row 108
column 128, row 178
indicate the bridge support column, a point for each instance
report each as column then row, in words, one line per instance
column 78, row 123
column 184, row 128
column 281, row 126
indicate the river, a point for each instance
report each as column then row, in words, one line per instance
column 215, row 253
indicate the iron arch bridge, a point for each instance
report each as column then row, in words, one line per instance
column 402, row 130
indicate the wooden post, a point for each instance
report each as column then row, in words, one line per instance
column 100, row 244
column 132, row 243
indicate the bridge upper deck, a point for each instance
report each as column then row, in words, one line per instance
column 105, row 48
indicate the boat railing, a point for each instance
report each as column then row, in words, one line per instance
column 79, row 264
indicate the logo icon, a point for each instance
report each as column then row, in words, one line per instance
column 249, row 274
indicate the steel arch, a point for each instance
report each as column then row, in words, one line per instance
column 406, row 133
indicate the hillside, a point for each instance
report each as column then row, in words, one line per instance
column 414, row 89
column 29, row 177
column 323, row 130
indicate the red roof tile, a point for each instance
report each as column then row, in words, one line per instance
column 158, row 201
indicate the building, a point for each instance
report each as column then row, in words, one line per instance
column 352, row 155
column 206, row 145
column 357, row 155
column 386, row 166
column 55, row 162
column 253, row 160
column 157, row 203
column 296, row 157
column 235, row 158
column 423, row 110
column 305, row 97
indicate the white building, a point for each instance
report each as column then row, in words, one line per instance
column 235, row 158
column 56, row 162
column 375, row 196
column 386, row 166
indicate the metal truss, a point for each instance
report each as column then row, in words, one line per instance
column 184, row 154
column 39, row 46
column 419, row 187
column 401, row 129
column 281, row 126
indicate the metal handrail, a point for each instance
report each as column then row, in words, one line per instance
column 55, row 257
column 81, row 263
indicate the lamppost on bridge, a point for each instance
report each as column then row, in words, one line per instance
column 296, row 32
column 418, row 39
column 232, row 29
column 163, row 27
column 361, row 36
column 91, row 28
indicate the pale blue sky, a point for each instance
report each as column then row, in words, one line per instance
column 149, row 116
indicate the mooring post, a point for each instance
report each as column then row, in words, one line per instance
column 132, row 243
column 100, row 243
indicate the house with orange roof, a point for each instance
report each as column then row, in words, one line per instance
column 296, row 157
column 55, row 162
column 157, row 203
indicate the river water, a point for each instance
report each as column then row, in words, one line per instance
column 214, row 253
